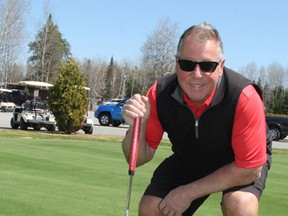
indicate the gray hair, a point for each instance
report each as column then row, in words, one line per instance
column 202, row 32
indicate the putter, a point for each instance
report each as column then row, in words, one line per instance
column 133, row 160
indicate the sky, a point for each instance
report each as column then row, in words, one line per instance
column 252, row 31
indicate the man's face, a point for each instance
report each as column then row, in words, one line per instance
column 196, row 84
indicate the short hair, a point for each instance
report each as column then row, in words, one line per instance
column 202, row 32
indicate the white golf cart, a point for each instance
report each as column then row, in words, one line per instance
column 33, row 114
column 6, row 100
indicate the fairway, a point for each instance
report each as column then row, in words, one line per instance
column 50, row 174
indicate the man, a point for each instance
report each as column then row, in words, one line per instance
column 215, row 120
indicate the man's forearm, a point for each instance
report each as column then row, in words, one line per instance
column 145, row 153
column 222, row 179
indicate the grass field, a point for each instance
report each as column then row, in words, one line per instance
column 51, row 175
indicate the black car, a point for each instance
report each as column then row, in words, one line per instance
column 278, row 127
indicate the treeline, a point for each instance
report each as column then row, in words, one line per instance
column 273, row 82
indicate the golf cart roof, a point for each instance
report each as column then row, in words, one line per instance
column 87, row 88
column 35, row 84
column 5, row 90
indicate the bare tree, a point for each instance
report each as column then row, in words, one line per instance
column 276, row 74
column 158, row 52
column 94, row 72
column 250, row 71
column 12, row 31
column 263, row 75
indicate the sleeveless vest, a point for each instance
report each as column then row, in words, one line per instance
column 204, row 144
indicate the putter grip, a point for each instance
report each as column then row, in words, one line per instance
column 134, row 146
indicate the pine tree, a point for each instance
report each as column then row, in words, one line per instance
column 68, row 98
column 49, row 50
column 108, row 80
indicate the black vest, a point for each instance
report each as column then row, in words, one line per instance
column 203, row 143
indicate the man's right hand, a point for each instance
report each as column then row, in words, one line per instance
column 137, row 106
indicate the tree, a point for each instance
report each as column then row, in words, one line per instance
column 94, row 72
column 108, row 80
column 158, row 52
column 250, row 71
column 12, row 35
column 68, row 99
column 49, row 50
column 276, row 74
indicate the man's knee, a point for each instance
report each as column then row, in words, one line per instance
column 240, row 203
column 149, row 206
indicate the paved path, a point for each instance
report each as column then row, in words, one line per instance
column 113, row 131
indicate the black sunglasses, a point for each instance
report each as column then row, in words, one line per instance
column 205, row 66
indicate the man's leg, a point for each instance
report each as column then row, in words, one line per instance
column 149, row 206
column 244, row 200
column 240, row 203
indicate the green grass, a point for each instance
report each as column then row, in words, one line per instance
column 56, row 174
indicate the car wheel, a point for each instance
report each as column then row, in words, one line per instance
column 275, row 133
column 105, row 119
column 23, row 124
column 13, row 124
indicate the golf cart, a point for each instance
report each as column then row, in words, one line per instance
column 33, row 114
column 87, row 124
column 6, row 100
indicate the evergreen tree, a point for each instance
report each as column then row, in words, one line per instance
column 108, row 80
column 48, row 51
column 68, row 98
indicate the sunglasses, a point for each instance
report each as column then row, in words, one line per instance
column 205, row 66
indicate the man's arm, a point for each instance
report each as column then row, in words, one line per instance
column 137, row 106
column 145, row 152
column 179, row 199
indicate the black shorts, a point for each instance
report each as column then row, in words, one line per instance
column 171, row 174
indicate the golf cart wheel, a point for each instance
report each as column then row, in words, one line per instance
column 50, row 127
column 13, row 124
column 37, row 127
column 89, row 130
column 23, row 124
column 105, row 119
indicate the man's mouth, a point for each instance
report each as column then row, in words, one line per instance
column 196, row 85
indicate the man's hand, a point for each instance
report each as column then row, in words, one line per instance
column 176, row 202
column 136, row 106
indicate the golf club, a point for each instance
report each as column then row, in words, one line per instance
column 133, row 160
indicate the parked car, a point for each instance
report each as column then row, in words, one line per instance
column 110, row 113
column 33, row 114
column 278, row 127
column 111, row 101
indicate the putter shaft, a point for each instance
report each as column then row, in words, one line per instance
column 133, row 160
column 128, row 195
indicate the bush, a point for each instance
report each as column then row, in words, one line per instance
column 68, row 98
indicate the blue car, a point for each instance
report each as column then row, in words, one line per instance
column 110, row 114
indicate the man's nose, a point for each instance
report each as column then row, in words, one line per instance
column 197, row 71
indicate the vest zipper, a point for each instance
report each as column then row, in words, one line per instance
column 196, row 129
